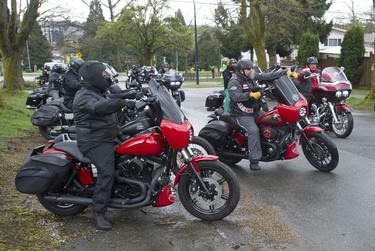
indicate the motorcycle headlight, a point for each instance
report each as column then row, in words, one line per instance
column 338, row 94
column 177, row 83
column 345, row 93
column 302, row 111
column 173, row 83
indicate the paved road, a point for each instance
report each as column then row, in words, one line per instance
column 288, row 205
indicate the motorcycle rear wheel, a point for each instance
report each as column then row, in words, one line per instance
column 345, row 127
column 61, row 209
column 48, row 133
column 324, row 155
column 223, row 188
column 199, row 146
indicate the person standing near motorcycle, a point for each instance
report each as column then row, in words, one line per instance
column 71, row 83
column 244, row 105
column 306, row 83
column 228, row 72
column 97, row 129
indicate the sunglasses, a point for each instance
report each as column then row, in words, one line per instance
column 249, row 69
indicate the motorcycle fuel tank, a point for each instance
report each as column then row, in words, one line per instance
column 144, row 144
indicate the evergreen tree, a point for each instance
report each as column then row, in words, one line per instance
column 40, row 50
column 308, row 47
column 352, row 51
column 90, row 48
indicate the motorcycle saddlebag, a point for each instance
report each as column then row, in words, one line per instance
column 37, row 97
column 42, row 173
column 215, row 132
column 45, row 115
column 214, row 101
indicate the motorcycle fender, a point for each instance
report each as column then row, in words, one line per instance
column 194, row 161
column 343, row 108
column 175, row 93
column 309, row 129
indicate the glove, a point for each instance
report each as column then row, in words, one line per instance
column 292, row 74
column 130, row 104
column 255, row 95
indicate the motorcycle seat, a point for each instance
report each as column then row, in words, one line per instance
column 230, row 120
column 72, row 149
column 59, row 103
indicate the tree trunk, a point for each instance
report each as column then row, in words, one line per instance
column 272, row 57
column 371, row 95
column 13, row 79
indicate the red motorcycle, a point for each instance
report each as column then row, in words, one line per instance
column 329, row 108
column 64, row 180
column 280, row 130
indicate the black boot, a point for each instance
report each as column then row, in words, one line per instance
column 100, row 221
column 254, row 166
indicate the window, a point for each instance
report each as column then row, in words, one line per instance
column 332, row 42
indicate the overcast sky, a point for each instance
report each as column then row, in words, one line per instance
column 340, row 9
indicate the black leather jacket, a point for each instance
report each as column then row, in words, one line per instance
column 71, row 84
column 95, row 116
column 239, row 87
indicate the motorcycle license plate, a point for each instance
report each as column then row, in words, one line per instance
column 37, row 150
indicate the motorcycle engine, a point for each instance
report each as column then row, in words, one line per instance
column 132, row 166
column 269, row 133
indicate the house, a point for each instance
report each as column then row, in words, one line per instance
column 332, row 45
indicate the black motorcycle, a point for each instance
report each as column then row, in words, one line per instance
column 173, row 80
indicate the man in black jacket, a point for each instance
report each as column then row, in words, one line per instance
column 228, row 72
column 97, row 129
column 71, row 83
column 244, row 105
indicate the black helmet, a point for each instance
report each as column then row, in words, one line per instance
column 75, row 64
column 232, row 61
column 244, row 64
column 91, row 73
column 165, row 65
column 312, row 60
column 58, row 69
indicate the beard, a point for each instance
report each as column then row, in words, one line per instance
column 251, row 75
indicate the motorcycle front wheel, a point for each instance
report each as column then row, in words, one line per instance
column 223, row 191
column 345, row 126
column 61, row 209
column 320, row 151
column 199, row 146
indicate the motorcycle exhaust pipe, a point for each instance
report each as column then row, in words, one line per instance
column 234, row 155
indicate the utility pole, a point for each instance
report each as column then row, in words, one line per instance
column 196, row 46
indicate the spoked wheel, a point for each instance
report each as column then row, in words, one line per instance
column 320, row 151
column 223, row 191
column 61, row 209
column 199, row 146
column 345, row 126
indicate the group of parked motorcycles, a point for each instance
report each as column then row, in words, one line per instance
column 157, row 142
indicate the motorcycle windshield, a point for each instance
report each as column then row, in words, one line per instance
column 172, row 76
column 286, row 92
column 168, row 105
column 333, row 74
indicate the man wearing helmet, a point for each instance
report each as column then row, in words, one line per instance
column 244, row 106
column 71, row 82
column 97, row 129
column 56, row 77
column 228, row 72
column 305, row 84
column 164, row 69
